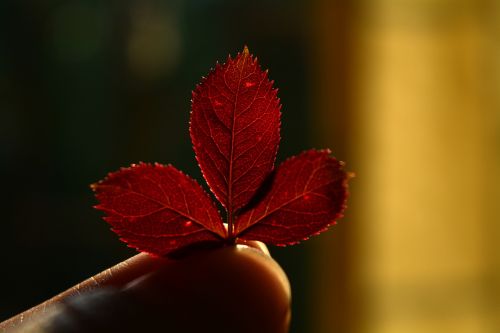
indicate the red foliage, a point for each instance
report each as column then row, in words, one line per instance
column 306, row 194
column 158, row 209
column 235, row 123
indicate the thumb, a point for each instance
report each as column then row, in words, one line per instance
column 232, row 289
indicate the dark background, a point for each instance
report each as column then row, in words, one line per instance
column 89, row 86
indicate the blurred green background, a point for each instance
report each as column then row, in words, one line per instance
column 405, row 91
column 90, row 86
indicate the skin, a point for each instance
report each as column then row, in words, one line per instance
column 232, row 289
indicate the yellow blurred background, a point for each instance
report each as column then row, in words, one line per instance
column 422, row 105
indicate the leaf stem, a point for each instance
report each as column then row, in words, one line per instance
column 230, row 225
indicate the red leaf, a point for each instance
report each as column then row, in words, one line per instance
column 234, row 127
column 158, row 209
column 307, row 193
column 235, row 123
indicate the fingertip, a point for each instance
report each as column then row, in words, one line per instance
column 233, row 289
column 262, row 260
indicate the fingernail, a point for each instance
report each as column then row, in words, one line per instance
column 259, row 246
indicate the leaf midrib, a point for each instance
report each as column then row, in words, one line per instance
column 164, row 207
